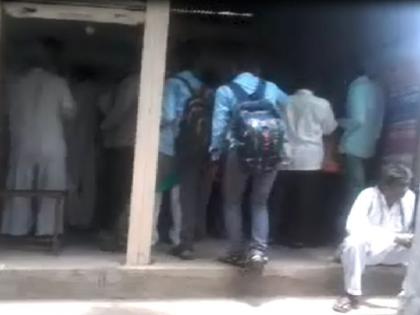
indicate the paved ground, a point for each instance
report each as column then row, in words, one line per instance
column 289, row 306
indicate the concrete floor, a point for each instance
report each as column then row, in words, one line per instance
column 286, row 306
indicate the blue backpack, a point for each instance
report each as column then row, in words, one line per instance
column 258, row 130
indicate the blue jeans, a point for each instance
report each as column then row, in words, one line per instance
column 235, row 182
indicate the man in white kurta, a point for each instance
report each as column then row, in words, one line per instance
column 40, row 104
column 379, row 230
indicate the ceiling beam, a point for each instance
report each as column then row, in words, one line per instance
column 20, row 9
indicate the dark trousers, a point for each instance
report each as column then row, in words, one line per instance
column 195, row 189
column 115, row 186
column 296, row 206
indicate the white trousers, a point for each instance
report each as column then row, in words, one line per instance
column 175, row 232
column 359, row 252
column 34, row 171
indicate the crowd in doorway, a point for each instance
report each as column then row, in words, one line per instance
column 221, row 122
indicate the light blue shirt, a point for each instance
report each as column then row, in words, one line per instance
column 224, row 106
column 175, row 96
column 365, row 112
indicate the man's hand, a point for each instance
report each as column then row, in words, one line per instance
column 405, row 239
column 330, row 166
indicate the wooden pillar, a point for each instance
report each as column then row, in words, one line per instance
column 147, row 137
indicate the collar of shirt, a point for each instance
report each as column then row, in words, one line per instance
column 304, row 92
column 247, row 81
column 361, row 80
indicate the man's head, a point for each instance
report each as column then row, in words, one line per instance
column 395, row 180
column 247, row 59
column 83, row 72
column 53, row 52
column 187, row 54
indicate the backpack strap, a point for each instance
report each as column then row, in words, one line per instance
column 259, row 91
column 238, row 91
column 187, row 84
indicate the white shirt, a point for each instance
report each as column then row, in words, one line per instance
column 308, row 118
column 119, row 126
column 371, row 215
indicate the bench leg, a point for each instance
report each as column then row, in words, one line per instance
column 56, row 244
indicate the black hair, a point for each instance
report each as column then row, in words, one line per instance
column 186, row 53
column 359, row 68
column 395, row 174
column 247, row 58
column 52, row 45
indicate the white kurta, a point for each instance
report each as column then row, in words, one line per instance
column 372, row 227
column 82, row 157
column 39, row 103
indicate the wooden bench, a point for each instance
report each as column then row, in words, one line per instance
column 60, row 198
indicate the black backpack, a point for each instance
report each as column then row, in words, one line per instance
column 193, row 140
column 258, row 130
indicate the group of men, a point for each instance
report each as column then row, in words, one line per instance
column 218, row 113
column 379, row 228
column 234, row 76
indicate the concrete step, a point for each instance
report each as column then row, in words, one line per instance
column 82, row 275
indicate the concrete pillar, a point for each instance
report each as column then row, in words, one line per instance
column 411, row 299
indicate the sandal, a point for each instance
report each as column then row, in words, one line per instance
column 346, row 304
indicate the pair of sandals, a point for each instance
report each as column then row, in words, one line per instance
column 346, row 304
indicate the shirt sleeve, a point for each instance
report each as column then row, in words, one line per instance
column 408, row 204
column 68, row 104
column 282, row 98
column 126, row 98
column 221, row 116
column 356, row 107
column 329, row 124
column 171, row 95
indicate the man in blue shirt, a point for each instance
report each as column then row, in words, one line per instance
column 235, row 178
column 194, row 182
column 362, row 129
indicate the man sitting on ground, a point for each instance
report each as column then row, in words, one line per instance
column 379, row 231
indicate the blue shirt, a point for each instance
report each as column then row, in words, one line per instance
column 365, row 111
column 224, row 106
column 175, row 97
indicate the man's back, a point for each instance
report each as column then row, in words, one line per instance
column 42, row 100
column 120, row 123
column 309, row 118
